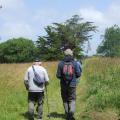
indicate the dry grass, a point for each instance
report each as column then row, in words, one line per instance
column 98, row 75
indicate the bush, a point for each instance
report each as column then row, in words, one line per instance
column 17, row 50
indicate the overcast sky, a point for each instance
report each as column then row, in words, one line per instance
column 28, row 18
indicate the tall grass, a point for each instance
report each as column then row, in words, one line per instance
column 102, row 77
column 98, row 92
column 13, row 96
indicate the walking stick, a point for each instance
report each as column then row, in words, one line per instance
column 47, row 101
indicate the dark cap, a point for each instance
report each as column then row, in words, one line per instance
column 37, row 60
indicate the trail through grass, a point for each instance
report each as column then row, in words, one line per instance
column 98, row 92
column 13, row 96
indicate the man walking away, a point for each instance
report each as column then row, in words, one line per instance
column 68, row 71
column 35, row 90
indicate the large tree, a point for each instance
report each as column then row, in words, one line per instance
column 17, row 50
column 110, row 45
column 73, row 33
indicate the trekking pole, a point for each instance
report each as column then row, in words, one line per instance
column 47, row 102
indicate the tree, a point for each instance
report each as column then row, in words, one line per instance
column 17, row 50
column 73, row 33
column 110, row 45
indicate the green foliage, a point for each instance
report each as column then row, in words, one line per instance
column 110, row 45
column 103, row 90
column 17, row 50
column 73, row 33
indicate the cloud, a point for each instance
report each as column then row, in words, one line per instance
column 17, row 30
column 12, row 4
column 48, row 16
column 103, row 19
column 44, row 15
column 112, row 14
column 92, row 14
column 15, row 20
column 13, row 10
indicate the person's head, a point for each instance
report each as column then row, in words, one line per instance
column 68, row 52
column 37, row 62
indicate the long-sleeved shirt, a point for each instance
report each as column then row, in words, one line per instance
column 29, row 75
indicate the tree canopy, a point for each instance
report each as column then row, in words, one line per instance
column 73, row 33
column 17, row 50
column 110, row 45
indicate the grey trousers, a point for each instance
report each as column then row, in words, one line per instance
column 68, row 95
column 33, row 98
column 69, row 107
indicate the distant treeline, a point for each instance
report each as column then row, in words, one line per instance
column 74, row 33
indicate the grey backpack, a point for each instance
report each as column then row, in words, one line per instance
column 37, row 79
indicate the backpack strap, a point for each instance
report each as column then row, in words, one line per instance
column 33, row 69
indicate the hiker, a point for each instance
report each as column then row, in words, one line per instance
column 68, row 71
column 35, row 89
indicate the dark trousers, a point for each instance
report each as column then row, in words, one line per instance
column 33, row 98
column 68, row 95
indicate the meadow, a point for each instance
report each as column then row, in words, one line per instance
column 98, row 91
column 102, row 76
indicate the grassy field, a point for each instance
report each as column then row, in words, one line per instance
column 102, row 76
column 98, row 92
column 13, row 96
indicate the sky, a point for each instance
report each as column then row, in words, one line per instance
column 28, row 18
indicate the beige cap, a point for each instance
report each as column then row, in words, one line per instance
column 68, row 52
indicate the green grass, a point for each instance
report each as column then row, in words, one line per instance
column 102, row 96
column 98, row 92
column 13, row 96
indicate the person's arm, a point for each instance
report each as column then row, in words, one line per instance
column 26, row 79
column 59, row 74
column 46, row 77
column 77, row 70
column 80, row 66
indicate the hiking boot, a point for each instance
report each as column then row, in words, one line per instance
column 70, row 117
column 39, row 118
column 31, row 118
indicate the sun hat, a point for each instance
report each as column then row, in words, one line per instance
column 68, row 52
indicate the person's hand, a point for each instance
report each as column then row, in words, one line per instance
column 27, row 87
column 46, row 83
